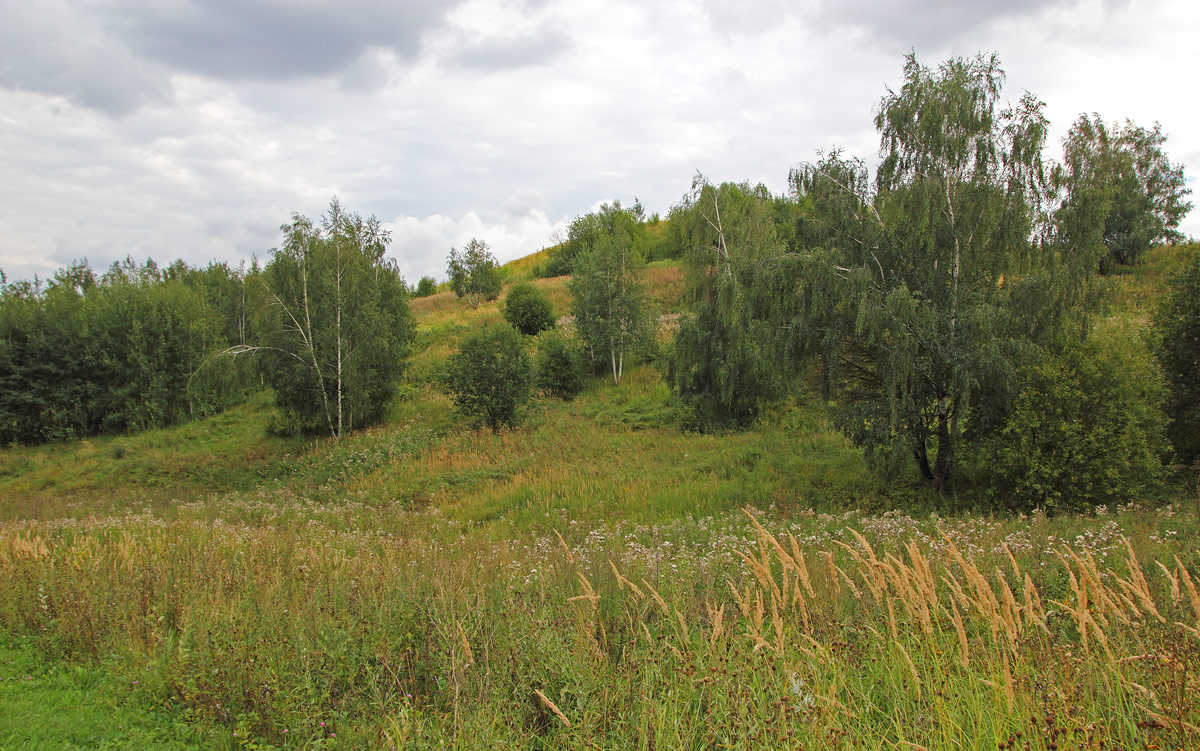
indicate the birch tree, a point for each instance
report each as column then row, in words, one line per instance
column 473, row 273
column 1123, row 174
column 608, row 302
column 936, row 283
column 336, row 327
column 723, row 363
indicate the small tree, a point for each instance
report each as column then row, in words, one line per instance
column 560, row 367
column 337, row 326
column 426, row 287
column 1177, row 324
column 490, row 375
column 609, row 302
column 586, row 230
column 473, row 273
column 528, row 309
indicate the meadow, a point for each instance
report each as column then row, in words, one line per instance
column 596, row 577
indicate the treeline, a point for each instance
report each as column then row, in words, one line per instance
column 87, row 353
column 325, row 323
column 945, row 305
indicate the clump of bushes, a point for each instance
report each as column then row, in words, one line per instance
column 1177, row 322
column 426, row 287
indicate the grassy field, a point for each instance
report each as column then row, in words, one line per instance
column 595, row 578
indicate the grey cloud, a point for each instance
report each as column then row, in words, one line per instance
column 51, row 48
column 929, row 24
column 508, row 51
column 277, row 39
column 747, row 16
column 116, row 58
column 524, row 202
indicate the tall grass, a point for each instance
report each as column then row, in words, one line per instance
column 406, row 628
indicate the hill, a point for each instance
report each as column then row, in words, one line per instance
column 596, row 577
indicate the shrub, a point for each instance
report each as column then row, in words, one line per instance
column 560, row 367
column 426, row 287
column 1177, row 323
column 528, row 309
column 1086, row 428
column 489, row 377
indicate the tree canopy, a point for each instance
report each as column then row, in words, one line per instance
column 723, row 364
column 1177, row 325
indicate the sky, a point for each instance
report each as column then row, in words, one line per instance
column 193, row 129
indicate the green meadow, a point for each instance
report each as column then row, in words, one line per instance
column 596, row 577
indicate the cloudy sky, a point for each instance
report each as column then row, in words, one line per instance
column 193, row 128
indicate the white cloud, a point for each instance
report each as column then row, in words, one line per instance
column 420, row 246
column 492, row 118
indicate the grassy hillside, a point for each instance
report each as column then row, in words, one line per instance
column 594, row 578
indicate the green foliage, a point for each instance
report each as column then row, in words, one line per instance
column 426, row 287
column 338, row 327
column 723, row 363
column 1086, row 428
column 609, row 302
column 928, row 293
column 473, row 273
column 490, row 375
column 1177, row 326
column 51, row 704
column 1119, row 189
column 87, row 355
column 528, row 309
column 560, row 367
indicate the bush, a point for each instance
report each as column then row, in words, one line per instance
column 528, row 309
column 560, row 367
column 1086, row 428
column 1177, row 323
column 426, row 287
column 490, row 375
